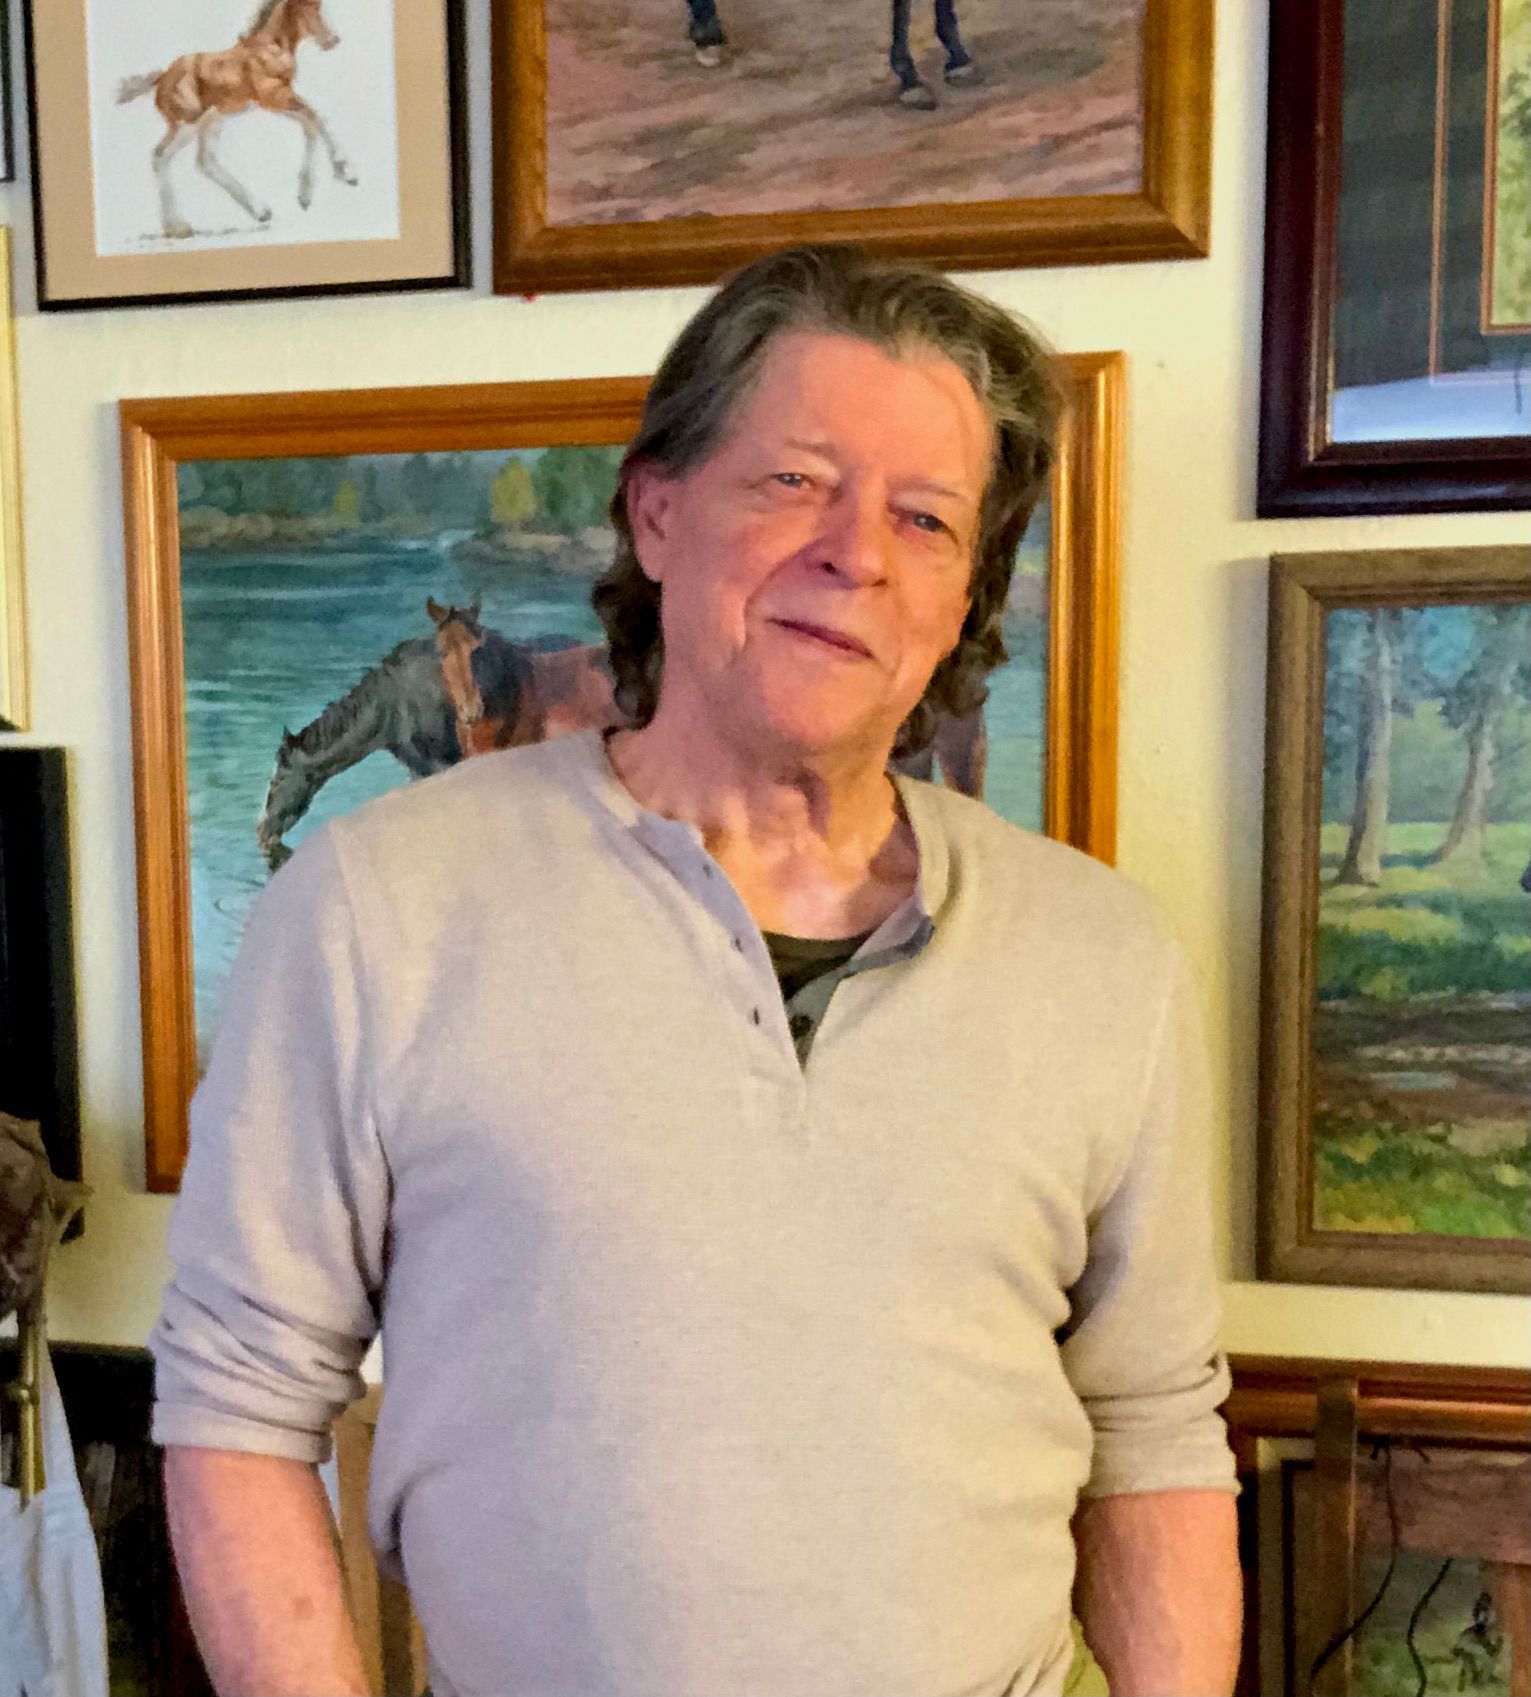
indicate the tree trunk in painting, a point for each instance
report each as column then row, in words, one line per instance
column 1374, row 744
column 1479, row 704
column 1465, row 835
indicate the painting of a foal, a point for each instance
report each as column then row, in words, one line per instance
column 198, row 92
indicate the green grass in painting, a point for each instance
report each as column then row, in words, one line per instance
column 1453, row 929
column 1372, row 1176
column 1511, row 260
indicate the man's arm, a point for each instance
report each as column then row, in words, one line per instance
column 1159, row 1592
column 255, row 1549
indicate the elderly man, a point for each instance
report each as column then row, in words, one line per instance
column 776, row 1182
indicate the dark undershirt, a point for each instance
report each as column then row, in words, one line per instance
column 799, row 960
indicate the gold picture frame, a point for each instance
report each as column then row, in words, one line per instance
column 14, row 706
column 161, row 439
column 1167, row 215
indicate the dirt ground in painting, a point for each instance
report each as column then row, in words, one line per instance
column 1461, row 1061
column 803, row 116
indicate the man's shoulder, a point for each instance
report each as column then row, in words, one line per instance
column 1012, row 870
column 509, row 788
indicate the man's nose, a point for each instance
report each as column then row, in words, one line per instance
column 854, row 540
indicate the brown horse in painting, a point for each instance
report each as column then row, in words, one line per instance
column 196, row 93
column 566, row 689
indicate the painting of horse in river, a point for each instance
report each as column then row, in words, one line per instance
column 1422, row 1022
column 354, row 623
column 660, row 109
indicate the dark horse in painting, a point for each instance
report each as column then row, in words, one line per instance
column 709, row 40
column 434, row 700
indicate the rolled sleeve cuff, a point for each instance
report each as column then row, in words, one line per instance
column 206, row 1428
column 1193, row 1458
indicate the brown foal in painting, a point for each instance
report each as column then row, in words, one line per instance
column 198, row 92
column 565, row 689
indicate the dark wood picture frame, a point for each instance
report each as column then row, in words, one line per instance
column 7, row 116
column 1343, row 1408
column 431, row 250
column 39, row 1065
column 1301, row 470
column 158, row 435
column 1304, row 588
column 1169, row 218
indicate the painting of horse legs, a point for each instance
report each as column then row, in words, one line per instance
column 748, row 107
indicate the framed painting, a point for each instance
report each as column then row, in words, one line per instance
column 39, row 1064
column 1395, row 1075
column 295, row 561
column 648, row 142
column 1397, row 340
column 221, row 149
column 7, row 136
column 1385, row 1525
column 13, row 651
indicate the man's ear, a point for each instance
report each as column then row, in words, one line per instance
column 649, row 511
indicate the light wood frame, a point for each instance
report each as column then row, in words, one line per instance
column 13, row 649
column 430, row 250
column 1169, row 218
column 159, row 435
column 1337, row 1406
column 1304, row 588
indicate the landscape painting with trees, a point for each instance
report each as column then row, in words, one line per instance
column 1421, row 1026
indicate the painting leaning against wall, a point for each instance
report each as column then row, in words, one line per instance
column 1415, row 1118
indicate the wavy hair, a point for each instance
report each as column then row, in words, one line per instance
column 901, row 308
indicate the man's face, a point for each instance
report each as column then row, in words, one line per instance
column 815, row 568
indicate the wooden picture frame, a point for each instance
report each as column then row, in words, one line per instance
column 39, row 1061
column 13, row 645
column 1334, row 1419
column 7, row 117
column 263, row 206
column 1376, row 1153
column 1402, row 216
column 1165, row 216
column 160, row 437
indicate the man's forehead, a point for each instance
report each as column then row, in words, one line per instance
column 796, row 393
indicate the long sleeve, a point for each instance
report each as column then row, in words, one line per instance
column 1141, row 1345
column 279, row 1234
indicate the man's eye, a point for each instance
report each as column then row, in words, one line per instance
column 931, row 523
column 791, row 479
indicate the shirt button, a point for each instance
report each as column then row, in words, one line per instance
column 739, row 944
column 755, row 1015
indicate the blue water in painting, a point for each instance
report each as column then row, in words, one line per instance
column 271, row 638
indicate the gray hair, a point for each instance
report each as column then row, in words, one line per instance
column 901, row 308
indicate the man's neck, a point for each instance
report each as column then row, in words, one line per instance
column 816, row 846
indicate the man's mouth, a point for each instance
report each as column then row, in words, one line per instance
column 831, row 638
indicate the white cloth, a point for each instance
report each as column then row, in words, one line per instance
column 52, row 1615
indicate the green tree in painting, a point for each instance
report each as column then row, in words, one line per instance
column 574, row 486
column 1477, row 705
column 1511, row 260
column 1377, row 687
column 512, row 498
column 347, row 504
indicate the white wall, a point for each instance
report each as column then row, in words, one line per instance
column 1192, row 696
